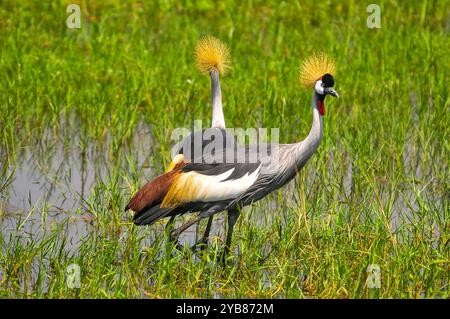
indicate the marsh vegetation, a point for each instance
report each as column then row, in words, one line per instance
column 86, row 117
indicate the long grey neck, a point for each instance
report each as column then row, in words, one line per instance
column 306, row 148
column 218, row 119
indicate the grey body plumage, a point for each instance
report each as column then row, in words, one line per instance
column 218, row 182
column 278, row 163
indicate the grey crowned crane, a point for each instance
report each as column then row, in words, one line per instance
column 213, row 58
column 213, row 185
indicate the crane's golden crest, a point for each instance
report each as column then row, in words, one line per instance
column 210, row 54
column 314, row 67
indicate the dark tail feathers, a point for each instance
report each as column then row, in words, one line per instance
column 148, row 217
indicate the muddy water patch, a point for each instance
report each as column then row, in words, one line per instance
column 52, row 179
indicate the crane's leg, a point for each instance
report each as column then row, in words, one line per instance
column 176, row 233
column 233, row 215
column 207, row 230
column 204, row 241
column 170, row 223
column 169, row 226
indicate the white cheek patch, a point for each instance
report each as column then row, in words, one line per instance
column 319, row 88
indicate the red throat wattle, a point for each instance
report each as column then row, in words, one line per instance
column 321, row 107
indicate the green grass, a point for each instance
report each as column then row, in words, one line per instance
column 132, row 64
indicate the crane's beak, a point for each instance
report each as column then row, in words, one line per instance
column 331, row 91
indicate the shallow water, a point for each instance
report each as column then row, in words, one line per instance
column 52, row 181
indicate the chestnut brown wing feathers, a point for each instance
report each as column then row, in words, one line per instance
column 154, row 191
column 151, row 193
